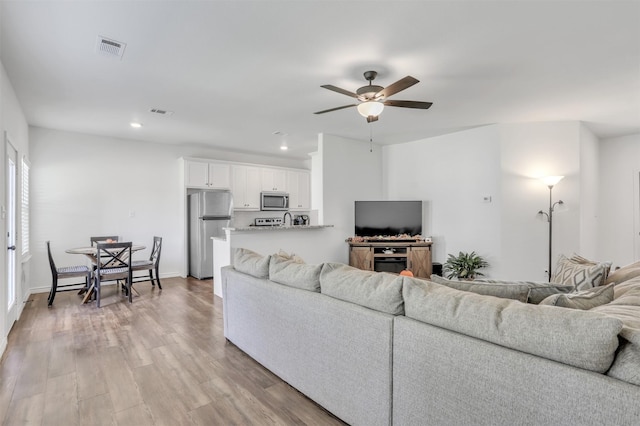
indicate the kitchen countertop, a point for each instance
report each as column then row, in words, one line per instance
column 275, row 228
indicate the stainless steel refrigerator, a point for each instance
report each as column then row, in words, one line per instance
column 209, row 212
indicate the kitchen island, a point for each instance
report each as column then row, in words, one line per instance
column 302, row 240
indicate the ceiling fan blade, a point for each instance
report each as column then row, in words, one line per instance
column 335, row 109
column 396, row 87
column 408, row 104
column 339, row 90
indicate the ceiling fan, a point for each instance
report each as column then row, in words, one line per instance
column 374, row 98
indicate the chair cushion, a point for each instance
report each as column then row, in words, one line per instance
column 624, row 274
column 78, row 269
column 538, row 290
column 114, row 271
column 142, row 264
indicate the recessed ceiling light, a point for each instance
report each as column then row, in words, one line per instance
column 135, row 125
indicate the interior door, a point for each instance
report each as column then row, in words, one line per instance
column 10, row 217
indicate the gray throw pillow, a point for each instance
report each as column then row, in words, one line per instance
column 538, row 290
column 505, row 291
column 580, row 272
column 375, row 290
column 584, row 339
column 585, row 299
column 251, row 263
column 294, row 274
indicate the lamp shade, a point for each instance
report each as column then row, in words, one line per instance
column 551, row 180
column 370, row 108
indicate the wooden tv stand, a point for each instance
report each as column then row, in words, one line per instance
column 392, row 256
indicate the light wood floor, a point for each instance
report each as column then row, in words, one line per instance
column 162, row 360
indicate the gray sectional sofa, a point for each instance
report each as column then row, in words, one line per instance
column 380, row 349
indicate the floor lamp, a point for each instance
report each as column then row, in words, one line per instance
column 550, row 181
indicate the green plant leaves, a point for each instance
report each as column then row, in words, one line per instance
column 464, row 265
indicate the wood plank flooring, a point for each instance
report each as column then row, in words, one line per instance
column 162, row 360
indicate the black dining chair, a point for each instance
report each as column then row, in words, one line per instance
column 151, row 265
column 96, row 240
column 66, row 272
column 103, row 239
column 115, row 267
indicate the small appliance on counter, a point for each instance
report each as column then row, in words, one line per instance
column 302, row 219
column 268, row 221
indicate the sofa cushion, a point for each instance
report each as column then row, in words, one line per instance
column 376, row 290
column 584, row 339
column 580, row 272
column 624, row 274
column 294, row 274
column 584, row 299
column 538, row 290
column 511, row 291
column 251, row 263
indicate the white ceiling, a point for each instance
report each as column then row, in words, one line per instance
column 235, row 72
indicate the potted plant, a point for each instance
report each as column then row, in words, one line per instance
column 464, row 266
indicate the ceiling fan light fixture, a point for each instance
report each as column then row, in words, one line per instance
column 370, row 108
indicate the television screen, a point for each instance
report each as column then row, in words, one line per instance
column 388, row 218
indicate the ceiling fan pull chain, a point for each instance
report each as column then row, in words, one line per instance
column 370, row 138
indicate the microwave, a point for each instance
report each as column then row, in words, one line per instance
column 274, row 201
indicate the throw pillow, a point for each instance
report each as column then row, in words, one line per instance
column 505, row 291
column 376, row 290
column 580, row 273
column 294, row 274
column 538, row 290
column 584, row 300
column 251, row 263
column 291, row 256
column 625, row 273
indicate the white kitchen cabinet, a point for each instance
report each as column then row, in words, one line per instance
column 299, row 185
column 246, row 187
column 207, row 175
column 274, row 179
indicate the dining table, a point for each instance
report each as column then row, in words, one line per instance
column 91, row 252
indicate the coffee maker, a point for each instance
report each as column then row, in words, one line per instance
column 302, row 219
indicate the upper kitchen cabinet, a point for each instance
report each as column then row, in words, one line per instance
column 246, row 187
column 274, row 179
column 299, row 186
column 207, row 175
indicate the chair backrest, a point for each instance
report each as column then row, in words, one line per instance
column 156, row 249
column 114, row 257
column 52, row 264
column 95, row 240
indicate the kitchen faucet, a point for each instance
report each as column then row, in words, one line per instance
column 284, row 219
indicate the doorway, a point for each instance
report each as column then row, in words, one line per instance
column 10, row 221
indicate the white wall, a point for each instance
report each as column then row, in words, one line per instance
column 589, row 193
column 86, row 185
column 14, row 123
column 350, row 172
column 619, row 210
column 452, row 174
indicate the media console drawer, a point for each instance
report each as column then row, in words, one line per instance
column 392, row 256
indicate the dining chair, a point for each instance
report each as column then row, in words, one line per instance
column 103, row 239
column 116, row 267
column 66, row 272
column 151, row 265
column 95, row 240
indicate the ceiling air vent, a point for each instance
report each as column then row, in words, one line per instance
column 160, row 111
column 108, row 47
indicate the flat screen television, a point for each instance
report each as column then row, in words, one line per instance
column 388, row 218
